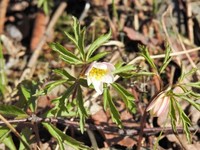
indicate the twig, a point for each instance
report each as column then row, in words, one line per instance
column 35, row 55
column 3, row 9
column 7, row 123
column 166, row 33
column 35, row 127
column 142, row 126
column 92, row 139
column 126, row 131
column 189, row 21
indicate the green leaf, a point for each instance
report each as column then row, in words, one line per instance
column 185, row 121
column 97, row 56
column 105, row 100
column 53, row 84
column 26, row 91
column 63, row 138
column 192, row 102
column 3, row 79
column 146, row 55
column 62, row 101
column 124, row 69
column 69, row 61
column 11, row 110
column 97, row 43
column 193, row 84
column 83, row 82
column 79, row 37
column 65, row 54
column 126, row 96
column 113, row 111
column 25, row 134
column 81, row 109
column 164, row 65
column 6, row 138
column 186, row 124
column 189, row 73
column 173, row 114
column 65, row 74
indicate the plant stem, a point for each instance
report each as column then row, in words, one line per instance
column 14, row 131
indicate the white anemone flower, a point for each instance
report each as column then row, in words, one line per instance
column 160, row 105
column 99, row 73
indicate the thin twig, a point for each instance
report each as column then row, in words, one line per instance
column 166, row 33
column 92, row 139
column 7, row 123
column 189, row 21
column 35, row 55
column 142, row 126
column 126, row 131
column 35, row 127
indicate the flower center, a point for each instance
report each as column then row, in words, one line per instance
column 97, row 73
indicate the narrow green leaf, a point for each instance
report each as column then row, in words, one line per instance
column 11, row 110
column 53, row 84
column 76, row 28
column 97, row 56
column 113, row 111
column 81, row 109
column 126, row 96
column 194, row 94
column 78, row 40
column 70, row 61
column 105, row 99
column 167, row 53
column 165, row 64
column 65, row 54
column 97, row 43
column 192, row 102
column 3, row 79
column 189, row 73
column 27, row 90
column 65, row 74
column 71, row 39
column 185, row 121
column 63, row 138
column 124, row 69
column 193, row 84
column 173, row 114
column 146, row 55
column 6, row 138
column 25, row 134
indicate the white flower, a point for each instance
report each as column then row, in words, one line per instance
column 99, row 73
column 159, row 105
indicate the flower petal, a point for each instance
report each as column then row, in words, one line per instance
column 90, row 68
column 100, row 65
column 108, row 78
column 155, row 101
column 110, row 66
column 157, row 106
column 164, row 106
column 89, row 80
column 98, row 86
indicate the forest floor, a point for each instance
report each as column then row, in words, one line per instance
column 27, row 30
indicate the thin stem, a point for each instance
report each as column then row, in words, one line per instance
column 113, row 129
column 14, row 131
column 92, row 139
column 35, row 126
column 141, row 132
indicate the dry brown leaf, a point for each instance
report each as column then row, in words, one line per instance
column 101, row 118
column 39, row 29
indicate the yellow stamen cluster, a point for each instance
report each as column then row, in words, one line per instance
column 97, row 73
